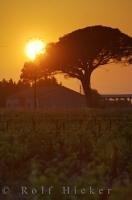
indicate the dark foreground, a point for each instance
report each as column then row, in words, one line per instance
column 57, row 155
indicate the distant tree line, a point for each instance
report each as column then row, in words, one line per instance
column 10, row 87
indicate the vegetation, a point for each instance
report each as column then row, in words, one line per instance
column 61, row 148
column 80, row 149
column 8, row 88
column 33, row 74
column 79, row 53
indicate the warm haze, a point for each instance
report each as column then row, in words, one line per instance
column 23, row 20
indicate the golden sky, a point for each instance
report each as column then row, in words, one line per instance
column 21, row 20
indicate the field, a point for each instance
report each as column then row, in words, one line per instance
column 81, row 153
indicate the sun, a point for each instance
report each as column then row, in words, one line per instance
column 34, row 48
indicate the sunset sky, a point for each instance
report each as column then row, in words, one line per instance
column 22, row 20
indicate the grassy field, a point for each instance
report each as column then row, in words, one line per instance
column 78, row 148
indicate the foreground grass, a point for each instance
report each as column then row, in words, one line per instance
column 82, row 148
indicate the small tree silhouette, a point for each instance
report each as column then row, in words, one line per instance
column 31, row 73
column 79, row 53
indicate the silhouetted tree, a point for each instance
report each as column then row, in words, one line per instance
column 31, row 72
column 36, row 76
column 79, row 53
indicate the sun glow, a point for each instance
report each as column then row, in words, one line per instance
column 34, row 48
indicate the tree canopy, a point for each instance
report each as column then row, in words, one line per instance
column 78, row 53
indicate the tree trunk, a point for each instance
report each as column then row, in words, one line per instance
column 35, row 93
column 87, row 89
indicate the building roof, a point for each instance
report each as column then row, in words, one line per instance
column 52, row 96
